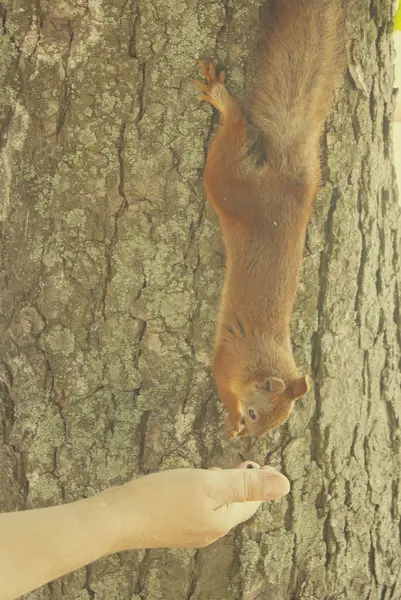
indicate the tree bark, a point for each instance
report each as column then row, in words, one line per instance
column 111, row 268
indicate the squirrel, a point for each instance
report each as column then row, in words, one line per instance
column 264, row 209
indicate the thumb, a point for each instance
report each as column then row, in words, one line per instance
column 250, row 485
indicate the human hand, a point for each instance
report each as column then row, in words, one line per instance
column 183, row 508
column 189, row 508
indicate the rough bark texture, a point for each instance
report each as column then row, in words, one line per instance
column 111, row 267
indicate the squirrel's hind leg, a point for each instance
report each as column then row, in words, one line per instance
column 226, row 179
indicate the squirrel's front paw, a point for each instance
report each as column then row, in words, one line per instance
column 214, row 90
column 235, row 427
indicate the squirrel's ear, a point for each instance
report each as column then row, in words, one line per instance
column 271, row 384
column 298, row 387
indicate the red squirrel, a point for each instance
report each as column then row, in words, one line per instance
column 264, row 209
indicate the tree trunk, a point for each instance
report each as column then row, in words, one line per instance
column 111, row 268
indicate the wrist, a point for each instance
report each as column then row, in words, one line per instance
column 98, row 517
column 116, row 507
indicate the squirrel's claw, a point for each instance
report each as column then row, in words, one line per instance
column 201, row 86
column 235, row 427
column 213, row 90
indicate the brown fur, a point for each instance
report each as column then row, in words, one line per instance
column 264, row 210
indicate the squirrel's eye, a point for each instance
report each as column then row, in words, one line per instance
column 252, row 414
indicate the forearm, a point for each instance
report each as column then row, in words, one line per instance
column 38, row 546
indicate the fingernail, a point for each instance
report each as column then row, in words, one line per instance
column 275, row 485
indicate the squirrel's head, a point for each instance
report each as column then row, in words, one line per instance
column 267, row 402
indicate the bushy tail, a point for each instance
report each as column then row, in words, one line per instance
column 302, row 60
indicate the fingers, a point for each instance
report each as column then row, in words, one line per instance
column 250, row 485
column 243, row 489
column 237, row 513
column 240, row 511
